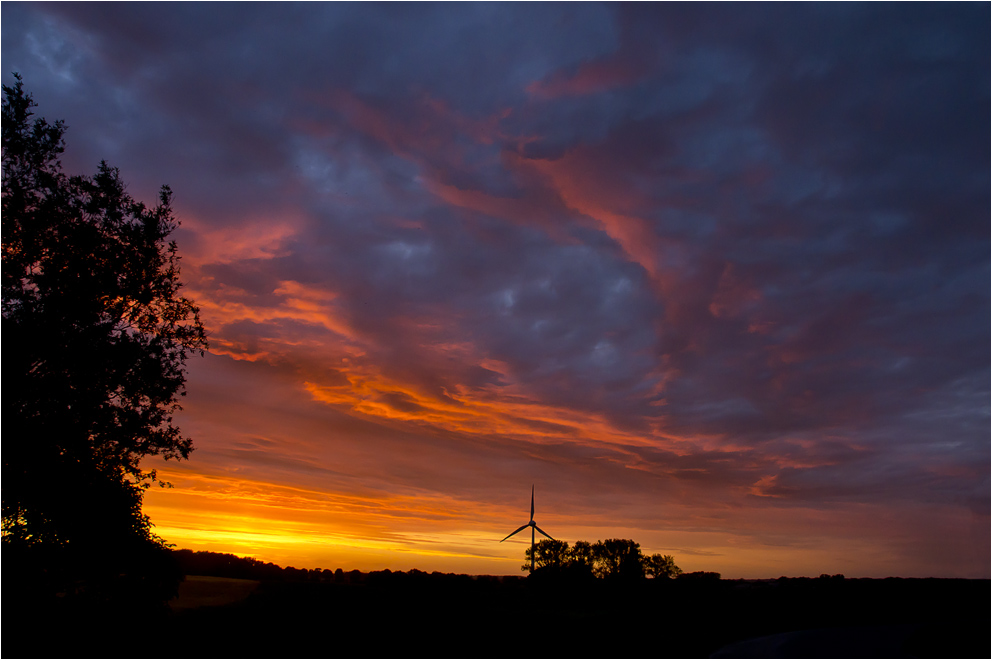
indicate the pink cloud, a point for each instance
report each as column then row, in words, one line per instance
column 589, row 78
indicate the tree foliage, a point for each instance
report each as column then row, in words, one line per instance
column 612, row 559
column 662, row 566
column 618, row 558
column 548, row 554
column 581, row 556
column 97, row 336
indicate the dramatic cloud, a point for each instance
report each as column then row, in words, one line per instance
column 712, row 277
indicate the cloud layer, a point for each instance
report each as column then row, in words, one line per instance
column 714, row 278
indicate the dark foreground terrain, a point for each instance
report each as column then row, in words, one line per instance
column 414, row 614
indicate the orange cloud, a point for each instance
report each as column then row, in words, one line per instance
column 430, row 127
column 580, row 189
column 734, row 294
column 502, row 411
column 251, row 238
column 526, row 210
column 589, row 78
column 300, row 303
column 485, row 131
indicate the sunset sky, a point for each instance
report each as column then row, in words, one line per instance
column 712, row 277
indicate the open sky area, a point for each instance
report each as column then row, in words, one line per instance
column 712, row 277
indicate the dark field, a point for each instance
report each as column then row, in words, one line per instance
column 414, row 614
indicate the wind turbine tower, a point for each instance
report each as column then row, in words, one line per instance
column 530, row 524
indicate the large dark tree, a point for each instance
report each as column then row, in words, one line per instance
column 618, row 559
column 95, row 339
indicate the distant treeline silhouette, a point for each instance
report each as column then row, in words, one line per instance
column 226, row 565
column 610, row 559
column 559, row 559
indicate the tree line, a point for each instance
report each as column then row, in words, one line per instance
column 227, row 565
column 606, row 559
column 611, row 558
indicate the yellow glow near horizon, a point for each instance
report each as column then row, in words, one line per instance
column 300, row 527
column 293, row 525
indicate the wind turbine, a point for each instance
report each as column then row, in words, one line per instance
column 530, row 524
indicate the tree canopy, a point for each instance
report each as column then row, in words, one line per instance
column 97, row 336
column 613, row 559
column 662, row 566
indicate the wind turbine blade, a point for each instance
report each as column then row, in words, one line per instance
column 532, row 502
column 544, row 533
column 514, row 533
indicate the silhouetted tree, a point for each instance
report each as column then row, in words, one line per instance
column 662, row 566
column 580, row 556
column 611, row 558
column 550, row 554
column 97, row 337
column 618, row 558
